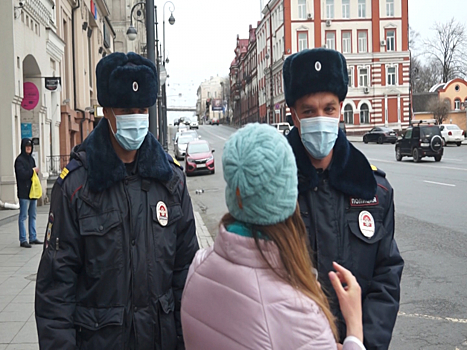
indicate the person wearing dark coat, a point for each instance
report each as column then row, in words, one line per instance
column 121, row 232
column 25, row 166
column 346, row 203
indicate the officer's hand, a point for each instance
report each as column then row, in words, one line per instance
column 350, row 299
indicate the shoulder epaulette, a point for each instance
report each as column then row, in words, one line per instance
column 173, row 161
column 378, row 171
column 70, row 167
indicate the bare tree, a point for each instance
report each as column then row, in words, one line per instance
column 440, row 110
column 449, row 48
column 424, row 76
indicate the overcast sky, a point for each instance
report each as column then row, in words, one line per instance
column 201, row 42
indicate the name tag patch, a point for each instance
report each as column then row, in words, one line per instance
column 359, row 202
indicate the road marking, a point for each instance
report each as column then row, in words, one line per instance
column 439, row 183
column 434, row 318
column 215, row 135
column 422, row 165
column 452, row 159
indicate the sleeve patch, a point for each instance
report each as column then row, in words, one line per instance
column 70, row 167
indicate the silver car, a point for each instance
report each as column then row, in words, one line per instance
column 182, row 142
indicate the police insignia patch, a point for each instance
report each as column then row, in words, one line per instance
column 49, row 228
column 162, row 214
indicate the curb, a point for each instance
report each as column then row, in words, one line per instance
column 8, row 219
column 205, row 239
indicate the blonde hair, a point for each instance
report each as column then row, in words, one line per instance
column 291, row 238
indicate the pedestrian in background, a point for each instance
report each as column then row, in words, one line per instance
column 25, row 166
column 255, row 287
column 121, row 231
column 347, row 204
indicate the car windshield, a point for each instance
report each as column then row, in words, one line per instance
column 452, row 127
column 198, row 148
column 283, row 127
column 429, row 131
column 185, row 139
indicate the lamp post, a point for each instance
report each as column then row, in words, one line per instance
column 164, row 61
column 132, row 33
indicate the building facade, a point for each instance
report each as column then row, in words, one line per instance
column 50, row 50
column 372, row 35
column 211, row 99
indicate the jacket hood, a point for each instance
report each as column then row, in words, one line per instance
column 350, row 172
column 24, row 143
column 105, row 168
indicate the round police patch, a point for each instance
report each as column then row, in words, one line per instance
column 366, row 222
column 162, row 214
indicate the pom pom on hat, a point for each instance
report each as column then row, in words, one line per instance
column 315, row 70
column 261, row 175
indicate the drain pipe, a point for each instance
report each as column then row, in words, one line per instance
column 73, row 50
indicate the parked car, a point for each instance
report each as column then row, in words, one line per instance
column 199, row 158
column 451, row 133
column 420, row 141
column 181, row 144
column 194, row 124
column 380, row 135
column 283, row 128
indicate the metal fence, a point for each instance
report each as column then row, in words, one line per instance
column 55, row 164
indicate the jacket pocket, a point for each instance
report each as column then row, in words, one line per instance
column 102, row 234
column 166, row 338
column 99, row 328
column 364, row 251
column 165, row 237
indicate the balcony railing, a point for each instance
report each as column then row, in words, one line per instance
column 55, row 164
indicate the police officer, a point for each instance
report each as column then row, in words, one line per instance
column 121, row 233
column 347, row 204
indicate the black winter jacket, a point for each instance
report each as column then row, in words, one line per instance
column 111, row 264
column 24, row 165
column 334, row 205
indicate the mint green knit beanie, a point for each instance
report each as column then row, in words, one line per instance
column 261, row 175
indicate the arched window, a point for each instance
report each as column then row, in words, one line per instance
column 364, row 114
column 348, row 114
column 457, row 104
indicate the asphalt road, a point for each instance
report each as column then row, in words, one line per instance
column 430, row 231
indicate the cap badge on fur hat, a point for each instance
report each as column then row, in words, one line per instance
column 135, row 86
column 261, row 175
column 318, row 66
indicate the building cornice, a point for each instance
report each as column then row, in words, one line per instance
column 104, row 9
column 55, row 46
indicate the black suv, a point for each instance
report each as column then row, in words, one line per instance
column 420, row 141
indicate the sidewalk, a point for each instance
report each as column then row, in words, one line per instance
column 18, row 268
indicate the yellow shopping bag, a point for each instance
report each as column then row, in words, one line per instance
column 36, row 188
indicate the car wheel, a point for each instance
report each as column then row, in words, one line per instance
column 415, row 155
column 393, row 142
column 459, row 144
column 398, row 154
column 380, row 140
column 437, row 158
column 365, row 139
column 213, row 171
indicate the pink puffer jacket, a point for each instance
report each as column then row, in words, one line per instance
column 233, row 301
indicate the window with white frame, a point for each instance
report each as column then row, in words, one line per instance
column 361, row 8
column 345, row 8
column 364, row 114
column 362, row 41
column 390, row 8
column 331, row 40
column 302, row 9
column 391, row 40
column 346, row 42
column 302, row 41
column 391, row 76
column 330, row 9
column 457, row 104
column 348, row 114
column 350, row 73
column 363, row 77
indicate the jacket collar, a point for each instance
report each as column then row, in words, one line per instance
column 350, row 172
column 242, row 250
column 104, row 167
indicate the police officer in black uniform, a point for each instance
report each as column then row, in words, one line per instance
column 121, row 232
column 347, row 204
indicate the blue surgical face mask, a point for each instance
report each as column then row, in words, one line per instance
column 131, row 130
column 319, row 135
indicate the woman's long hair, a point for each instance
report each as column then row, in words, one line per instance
column 291, row 238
